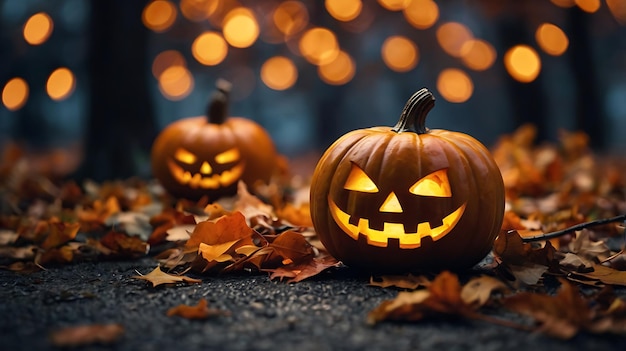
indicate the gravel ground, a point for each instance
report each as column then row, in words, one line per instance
column 325, row 313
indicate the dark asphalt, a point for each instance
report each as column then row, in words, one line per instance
column 325, row 313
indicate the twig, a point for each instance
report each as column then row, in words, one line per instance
column 580, row 226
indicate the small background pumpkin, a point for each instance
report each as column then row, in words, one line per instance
column 407, row 198
column 208, row 155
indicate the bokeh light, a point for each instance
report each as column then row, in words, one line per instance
column 198, row 10
column 38, row 28
column 338, row 72
column 551, row 39
column 589, row 6
column 60, row 84
column 452, row 36
column 618, row 9
column 421, row 14
column 454, row 85
column 166, row 59
column 241, row 28
column 400, row 53
column 563, row 3
column 523, row 63
column 15, row 94
column 344, row 10
column 209, row 48
column 176, row 83
column 393, row 5
column 478, row 54
column 279, row 73
column 290, row 17
column 159, row 15
column 319, row 45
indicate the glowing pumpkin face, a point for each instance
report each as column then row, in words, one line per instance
column 187, row 169
column 208, row 156
column 404, row 199
column 399, row 222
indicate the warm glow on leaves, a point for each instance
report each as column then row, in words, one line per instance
column 38, row 28
column 455, row 85
column 279, row 73
column 227, row 228
column 241, row 28
column 15, row 94
column 400, row 53
column 159, row 15
column 61, row 84
column 523, row 63
column 551, row 39
column 209, row 48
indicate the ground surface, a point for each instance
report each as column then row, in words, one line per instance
column 327, row 312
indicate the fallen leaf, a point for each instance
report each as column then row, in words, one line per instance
column 298, row 272
column 477, row 291
column 408, row 281
column 606, row 275
column 199, row 311
column 232, row 227
column 158, row 277
column 84, row 335
column 60, row 233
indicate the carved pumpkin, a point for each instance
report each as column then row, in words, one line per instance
column 208, row 155
column 407, row 198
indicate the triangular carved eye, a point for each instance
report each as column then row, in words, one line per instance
column 359, row 181
column 434, row 184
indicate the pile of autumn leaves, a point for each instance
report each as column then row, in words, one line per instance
column 549, row 187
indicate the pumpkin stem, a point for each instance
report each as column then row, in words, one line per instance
column 218, row 106
column 413, row 117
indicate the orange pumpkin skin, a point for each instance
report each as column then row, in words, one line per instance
column 208, row 155
column 430, row 199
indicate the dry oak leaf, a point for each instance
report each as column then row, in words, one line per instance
column 605, row 274
column 124, row 244
column 410, row 282
column 60, row 233
column 477, row 291
column 83, row 335
column 565, row 314
column 231, row 227
column 442, row 298
column 298, row 272
column 199, row 311
column 292, row 247
column 158, row 277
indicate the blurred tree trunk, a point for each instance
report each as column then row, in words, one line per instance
column 120, row 126
column 590, row 115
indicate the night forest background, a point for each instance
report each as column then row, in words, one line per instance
column 103, row 125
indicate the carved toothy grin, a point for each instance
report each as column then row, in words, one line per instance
column 198, row 180
column 406, row 240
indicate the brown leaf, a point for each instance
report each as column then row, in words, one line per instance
column 409, row 281
column 158, row 277
column 441, row 299
column 606, row 275
column 477, row 291
column 84, row 335
column 60, row 233
column 583, row 246
column 291, row 246
column 298, row 272
column 199, row 311
column 123, row 244
column 232, row 227
column 561, row 316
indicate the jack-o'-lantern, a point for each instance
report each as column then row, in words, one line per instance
column 208, row 155
column 407, row 198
